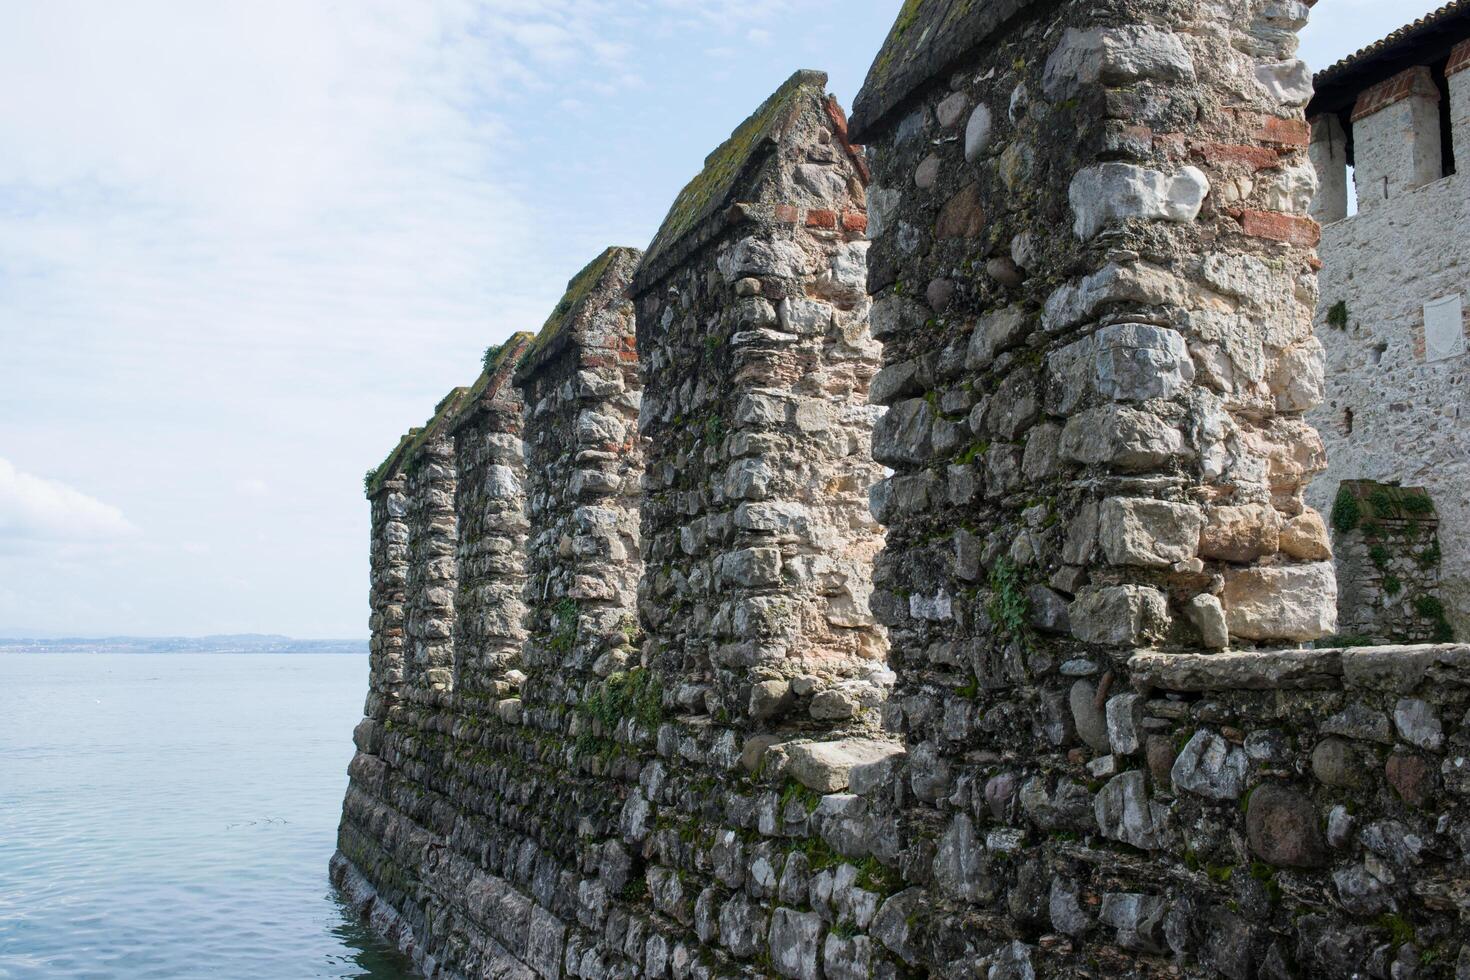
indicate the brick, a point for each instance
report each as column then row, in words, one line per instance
column 839, row 122
column 821, row 219
column 1224, row 154
column 1459, row 58
column 1414, row 83
column 1284, row 132
column 1294, row 229
column 787, row 214
column 854, row 221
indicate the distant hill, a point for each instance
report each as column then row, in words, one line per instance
column 227, row 643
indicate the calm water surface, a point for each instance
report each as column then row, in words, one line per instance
column 173, row 815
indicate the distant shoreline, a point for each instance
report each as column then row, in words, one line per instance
column 230, row 644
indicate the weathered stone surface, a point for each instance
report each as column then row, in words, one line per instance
column 1283, row 602
column 1122, row 616
column 1125, row 813
column 1113, row 192
column 1210, row 767
column 1240, row 534
column 1150, row 533
column 1283, row 827
column 826, row 766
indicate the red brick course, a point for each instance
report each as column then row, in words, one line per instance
column 1459, row 58
column 1254, row 157
column 821, row 219
column 1290, row 228
column 1416, row 82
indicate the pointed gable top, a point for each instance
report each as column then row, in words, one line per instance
column 688, row 225
column 605, row 276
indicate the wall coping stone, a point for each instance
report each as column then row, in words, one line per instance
column 1416, row 82
column 928, row 37
column 1401, row 668
column 700, row 212
column 559, row 329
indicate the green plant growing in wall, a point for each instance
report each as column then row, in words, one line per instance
column 564, row 627
column 1379, row 555
column 1417, row 504
column 1431, row 555
column 1383, row 504
column 1392, row 586
column 1346, row 514
column 1009, row 608
column 635, row 694
column 1337, row 315
column 1432, row 609
column 487, row 360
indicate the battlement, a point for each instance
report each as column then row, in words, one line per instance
column 912, row 571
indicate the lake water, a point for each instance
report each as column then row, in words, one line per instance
column 173, row 816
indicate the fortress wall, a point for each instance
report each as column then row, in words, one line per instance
column 431, row 480
column 581, row 390
column 388, row 563
column 1093, row 288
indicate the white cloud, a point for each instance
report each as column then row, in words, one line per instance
column 36, row 509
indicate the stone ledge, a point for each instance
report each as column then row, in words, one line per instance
column 1400, row 668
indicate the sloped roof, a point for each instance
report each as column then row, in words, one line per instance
column 687, row 225
column 608, row 271
column 925, row 40
column 1424, row 42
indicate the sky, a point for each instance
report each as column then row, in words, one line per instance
column 246, row 243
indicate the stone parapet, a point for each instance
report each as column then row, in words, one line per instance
column 491, row 516
column 757, row 363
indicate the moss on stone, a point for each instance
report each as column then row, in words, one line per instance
column 711, row 189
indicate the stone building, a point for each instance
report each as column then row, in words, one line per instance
column 1039, row 725
column 1388, row 125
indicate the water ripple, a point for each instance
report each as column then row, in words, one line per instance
column 171, row 816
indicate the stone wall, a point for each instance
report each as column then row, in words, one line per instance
column 1388, row 564
column 1094, row 281
column 432, row 481
column 1093, row 285
column 1391, row 413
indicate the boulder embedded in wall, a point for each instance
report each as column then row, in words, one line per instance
column 1282, row 825
column 1119, row 615
column 1281, row 602
column 1138, row 361
column 795, row 942
column 1240, row 534
column 1305, row 537
column 1149, row 533
column 1124, row 438
column 1114, row 56
column 1210, row 767
column 1125, row 813
column 1115, row 192
column 826, row 766
column 962, row 216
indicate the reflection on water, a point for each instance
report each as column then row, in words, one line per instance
column 172, row 816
